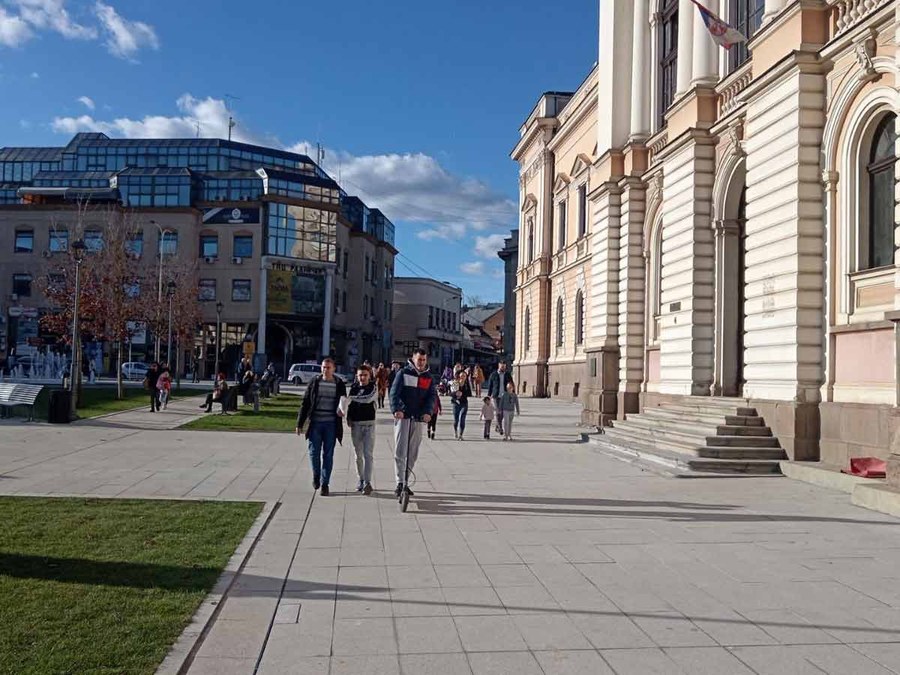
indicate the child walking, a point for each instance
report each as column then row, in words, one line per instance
column 509, row 404
column 164, row 385
column 361, row 419
column 487, row 415
column 432, row 423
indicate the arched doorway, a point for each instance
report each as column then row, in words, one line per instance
column 730, row 286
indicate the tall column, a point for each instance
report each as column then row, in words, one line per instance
column 263, row 300
column 830, row 183
column 704, row 67
column 686, row 11
column 640, row 71
column 772, row 7
column 326, row 320
column 631, row 297
column 613, row 69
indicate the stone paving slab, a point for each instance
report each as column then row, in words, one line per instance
column 536, row 556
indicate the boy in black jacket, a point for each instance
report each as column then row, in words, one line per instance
column 412, row 402
column 361, row 420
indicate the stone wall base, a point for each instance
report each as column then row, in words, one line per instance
column 857, row 430
column 567, row 380
column 529, row 379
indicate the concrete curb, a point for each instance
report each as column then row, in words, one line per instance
column 869, row 493
column 181, row 654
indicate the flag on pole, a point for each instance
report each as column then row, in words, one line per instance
column 722, row 34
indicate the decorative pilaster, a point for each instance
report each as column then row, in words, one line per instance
column 631, row 297
column 704, row 66
column 830, row 183
column 727, row 359
column 685, row 45
column 640, row 72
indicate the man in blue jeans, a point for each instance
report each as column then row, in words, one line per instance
column 319, row 420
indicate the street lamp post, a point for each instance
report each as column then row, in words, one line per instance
column 218, row 337
column 163, row 231
column 170, row 291
column 78, row 248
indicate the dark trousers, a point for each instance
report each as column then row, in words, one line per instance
column 459, row 418
column 322, row 437
column 154, row 399
column 487, row 428
column 432, row 425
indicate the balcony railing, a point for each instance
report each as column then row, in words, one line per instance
column 847, row 12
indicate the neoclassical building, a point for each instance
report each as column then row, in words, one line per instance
column 701, row 222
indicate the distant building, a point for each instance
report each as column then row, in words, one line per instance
column 482, row 327
column 510, row 256
column 427, row 315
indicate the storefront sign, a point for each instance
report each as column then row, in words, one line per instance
column 226, row 215
column 289, row 292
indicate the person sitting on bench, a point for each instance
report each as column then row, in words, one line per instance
column 218, row 394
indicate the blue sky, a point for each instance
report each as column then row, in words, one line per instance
column 418, row 104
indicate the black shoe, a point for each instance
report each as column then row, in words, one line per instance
column 315, row 483
column 324, row 491
column 359, row 486
column 398, row 489
column 367, row 490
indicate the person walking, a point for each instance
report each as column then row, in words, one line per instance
column 432, row 423
column 381, row 382
column 487, row 415
column 152, row 379
column 361, row 420
column 478, row 379
column 195, row 369
column 320, row 422
column 497, row 383
column 164, row 385
column 412, row 400
column 460, row 398
column 509, row 404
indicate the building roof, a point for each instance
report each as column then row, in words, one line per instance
column 476, row 316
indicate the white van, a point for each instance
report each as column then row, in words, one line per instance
column 303, row 373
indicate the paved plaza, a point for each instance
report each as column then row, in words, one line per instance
column 537, row 556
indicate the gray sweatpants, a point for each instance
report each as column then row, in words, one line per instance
column 407, row 437
column 508, row 422
column 363, row 435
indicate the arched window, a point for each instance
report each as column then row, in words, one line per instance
column 655, row 281
column 527, row 333
column 530, row 240
column 668, row 58
column 746, row 16
column 559, row 322
column 879, row 232
column 579, row 318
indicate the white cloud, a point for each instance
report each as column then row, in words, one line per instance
column 35, row 75
column 475, row 268
column 487, row 247
column 410, row 187
column 414, row 187
column 209, row 113
column 87, row 101
column 13, row 30
column 124, row 38
column 52, row 15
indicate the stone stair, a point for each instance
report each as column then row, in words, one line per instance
column 699, row 435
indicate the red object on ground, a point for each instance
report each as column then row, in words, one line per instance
column 866, row 467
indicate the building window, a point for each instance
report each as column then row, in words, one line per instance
column 206, row 291
column 346, row 264
column 385, row 314
column 240, row 290
column 59, row 241
column 579, row 318
column 582, row 211
column 387, row 276
column 367, row 272
column 243, row 246
column 209, row 246
column 530, row 247
column 526, row 335
column 344, row 300
column 338, row 259
column 93, row 241
column 880, row 173
column 745, row 16
column 430, row 318
column 559, row 322
column 668, row 58
column 365, row 306
column 562, row 222
column 24, row 241
column 168, row 243
column 21, row 285
column 302, row 232
column 134, row 245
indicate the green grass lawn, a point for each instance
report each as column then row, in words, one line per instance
column 278, row 413
column 106, row 586
column 100, row 400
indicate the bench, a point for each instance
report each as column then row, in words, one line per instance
column 228, row 400
column 12, row 395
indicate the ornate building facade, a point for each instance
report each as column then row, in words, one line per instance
column 739, row 236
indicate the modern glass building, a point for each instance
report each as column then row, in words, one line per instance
column 266, row 223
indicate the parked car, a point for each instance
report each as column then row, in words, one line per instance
column 134, row 370
column 303, row 373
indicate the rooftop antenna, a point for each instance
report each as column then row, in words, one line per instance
column 197, row 125
column 320, row 154
column 231, row 123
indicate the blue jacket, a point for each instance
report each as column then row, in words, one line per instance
column 413, row 392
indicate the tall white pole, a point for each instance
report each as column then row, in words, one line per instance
column 74, row 365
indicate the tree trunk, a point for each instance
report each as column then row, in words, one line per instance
column 120, row 385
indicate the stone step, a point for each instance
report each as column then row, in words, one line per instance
column 710, row 427
column 678, row 461
column 743, row 441
column 691, row 446
column 741, row 430
column 700, row 418
column 707, row 409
